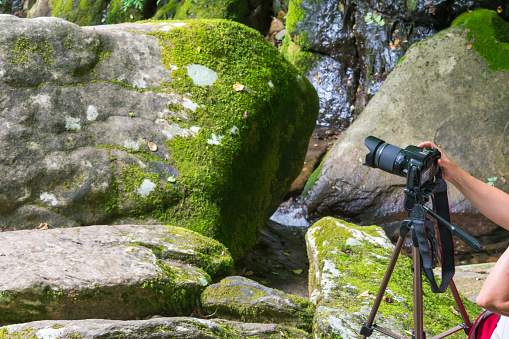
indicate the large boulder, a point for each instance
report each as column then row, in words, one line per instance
column 450, row 89
column 106, row 272
column 347, row 265
column 239, row 298
column 200, row 124
column 156, row 328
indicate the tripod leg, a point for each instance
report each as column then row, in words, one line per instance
column 385, row 282
column 461, row 307
column 418, row 303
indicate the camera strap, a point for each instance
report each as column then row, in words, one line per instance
column 445, row 239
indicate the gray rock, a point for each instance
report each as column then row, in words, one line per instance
column 115, row 272
column 188, row 328
column 443, row 92
column 79, row 107
column 246, row 300
column 344, row 281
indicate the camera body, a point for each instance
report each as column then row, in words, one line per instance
column 418, row 165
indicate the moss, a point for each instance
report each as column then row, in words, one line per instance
column 117, row 13
column 229, row 187
column 303, row 60
column 364, row 268
column 167, row 11
column 312, row 179
column 22, row 49
column 25, row 334
column 489, row 36
column 211, row 9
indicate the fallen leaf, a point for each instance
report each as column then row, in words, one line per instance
column 171, row 179
column 454, row 311
column 499, row 9
column 198, row 49
column 238, row 87
column 297, row 271
column 131, row 16
column 387, row 299
column 274, row 272
column 248, row 273
column 263, row 282
column 469, row 46
column 152, row 146
column 129, row 249
column 396, row 43
column 42, row 226
column 364, row 294
column 286, row 253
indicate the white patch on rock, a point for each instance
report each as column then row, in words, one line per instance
column 235, row 130
column 168, row 26
column 201, row 75
column 195, row 130
column 140, row 81
column 173, row 67
column 445, row 66
column 382, row 241
column 42, row 100
column 49, row 198
column 92, row 113
column 1, row 74
column 271, row 84
column 353, row 242
column 25, row 196
column 50, row 333
column 216, row 140
column 132, row 145
column 329, row 275
column 190, row 105
column 146, row 188
column 72, row 124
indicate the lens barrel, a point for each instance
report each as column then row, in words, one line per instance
column 383, row 155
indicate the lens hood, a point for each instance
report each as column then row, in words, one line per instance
column 372, row 143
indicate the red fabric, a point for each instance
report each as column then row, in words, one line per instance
column 484, row 326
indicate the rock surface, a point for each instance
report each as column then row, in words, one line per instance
column 105, row 123
column 347, row 264
column 239, row 298
column 115, row 272
column 443, row 91
column 189, row 328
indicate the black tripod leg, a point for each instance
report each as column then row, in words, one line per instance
column 418, row 303
column 368, row 326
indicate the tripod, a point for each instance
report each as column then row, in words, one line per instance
column 414, row 205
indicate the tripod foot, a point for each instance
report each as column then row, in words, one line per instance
column 366, row 331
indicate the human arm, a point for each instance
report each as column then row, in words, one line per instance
column 488, row 200
column 494, row 294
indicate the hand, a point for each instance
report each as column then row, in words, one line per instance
column 449, row 168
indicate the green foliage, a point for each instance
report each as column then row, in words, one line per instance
column 374, row 17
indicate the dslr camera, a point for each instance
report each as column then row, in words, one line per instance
column 421, row 163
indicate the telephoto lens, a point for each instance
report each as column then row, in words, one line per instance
column 385, row 156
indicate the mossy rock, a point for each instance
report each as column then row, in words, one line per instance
column 239, row 298
column 347, row 265
column 201, row 124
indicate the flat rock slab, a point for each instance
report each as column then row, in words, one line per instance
column 188, row 328
column 241, row 298
column 115, row 272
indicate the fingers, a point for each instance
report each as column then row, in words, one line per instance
column 427, row 144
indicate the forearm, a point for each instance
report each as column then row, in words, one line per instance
column 494, row 294
column 488, row 200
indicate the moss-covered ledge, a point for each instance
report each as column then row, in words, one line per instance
column 347, row 264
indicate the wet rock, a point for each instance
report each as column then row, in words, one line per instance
column 246, row 300
column 345, row 277
column 189, row 328
column 115, row 272
column 79, row 108
column 360, row 43
column 418, row 102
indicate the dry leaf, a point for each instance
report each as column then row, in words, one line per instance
column 499, row 9
column 42, row 226
column 198, row 49
column 238, row 87
column 387, row 299
column 396, row 43
column 469, row 46
column 131, row 16
column 454, row 311
column 248, row 273
column 129, row 249
column 152, row 146
column 364, row 294
column 297, row 271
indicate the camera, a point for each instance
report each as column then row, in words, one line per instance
column 400, row 161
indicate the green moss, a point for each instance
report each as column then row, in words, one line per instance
column 22, row 49
column 25, row 334
column 489, row 35
column 365, row 269
column 211, row 9
column 229, row 187
column 312, row 179
column 303, row 60
column 117, row 13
